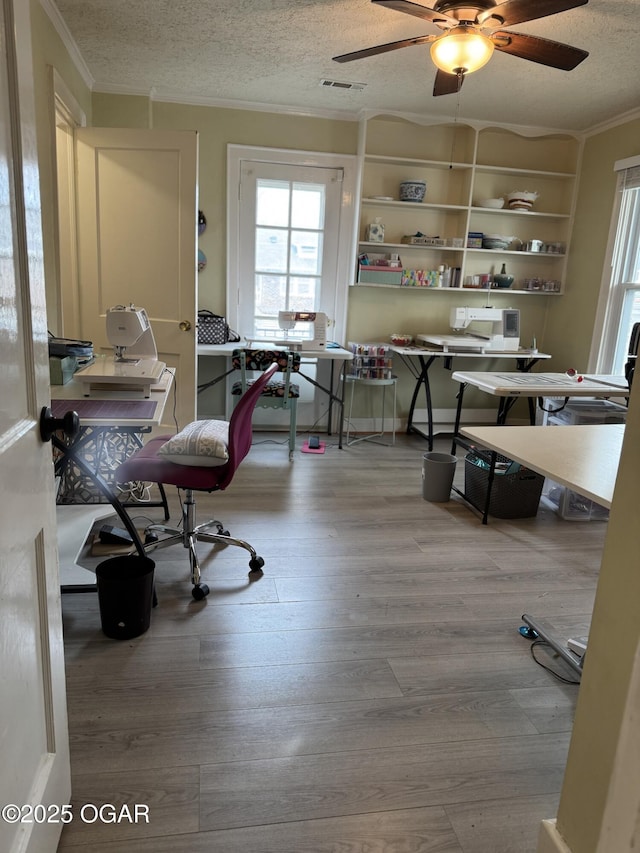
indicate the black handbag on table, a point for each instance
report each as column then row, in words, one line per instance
column 214, row 329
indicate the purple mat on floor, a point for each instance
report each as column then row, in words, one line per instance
column 106, row 409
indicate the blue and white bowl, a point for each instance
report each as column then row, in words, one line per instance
column 412, row 190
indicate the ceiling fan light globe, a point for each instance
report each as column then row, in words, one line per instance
column 462, row 51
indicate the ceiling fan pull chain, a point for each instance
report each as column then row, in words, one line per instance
column 455, row 120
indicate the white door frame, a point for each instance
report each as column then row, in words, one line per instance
column 35, row 781
column 236, row 154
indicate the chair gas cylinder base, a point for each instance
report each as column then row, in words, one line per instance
column 198, row 473
column 382, row 384
column 191, row 533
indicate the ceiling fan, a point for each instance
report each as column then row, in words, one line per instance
column 473, row 31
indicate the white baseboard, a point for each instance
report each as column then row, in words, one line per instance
column 443, row 421
column 550, row 840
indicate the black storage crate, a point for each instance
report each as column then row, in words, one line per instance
column 514, row 494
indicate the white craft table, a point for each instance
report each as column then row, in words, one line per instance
column 509, row 387
column 419, row 359
column 120, row 413
column 583, row 458
column 332, row 353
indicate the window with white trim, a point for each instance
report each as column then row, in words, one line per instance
column 291, row 225
column 291, row 247
column 620, row 298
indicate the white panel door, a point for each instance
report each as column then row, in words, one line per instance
column 35, row 778
column 137, row 240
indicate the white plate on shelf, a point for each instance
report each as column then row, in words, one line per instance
column 382, row 198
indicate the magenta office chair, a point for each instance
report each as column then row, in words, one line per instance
column 201, row 470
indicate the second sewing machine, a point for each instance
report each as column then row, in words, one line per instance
column 480, row 330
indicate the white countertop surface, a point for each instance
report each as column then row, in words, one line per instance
column 584, row 458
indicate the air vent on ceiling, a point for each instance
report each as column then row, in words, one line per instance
column 341, row 84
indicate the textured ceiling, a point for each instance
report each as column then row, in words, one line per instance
column 275, row 52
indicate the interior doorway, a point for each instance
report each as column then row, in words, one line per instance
column 63, row 295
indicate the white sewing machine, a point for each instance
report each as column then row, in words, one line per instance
column 484, row 330
column 316, row 328
column 134, row 364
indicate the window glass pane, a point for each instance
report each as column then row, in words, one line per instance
column 307, row 206
column 306, row 252
column 303, row 293
column 272, row 203
column 271, row 249
column 630, row 316
column 623, row 298
column 271, row 295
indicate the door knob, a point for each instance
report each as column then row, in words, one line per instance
column 69, row 423
column 185, row 326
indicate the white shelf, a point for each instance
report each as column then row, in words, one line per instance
column 519, row 214
column 482, row 290
column 518, row 253
column 390, row 160
column 533, row 173
column 392, row 149
column 412, row 206
column 384, row 247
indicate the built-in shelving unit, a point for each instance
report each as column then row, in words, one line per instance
column 461, row 166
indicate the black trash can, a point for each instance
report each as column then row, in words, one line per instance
column 125, row 595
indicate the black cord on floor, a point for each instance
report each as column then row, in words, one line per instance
column 557, row 675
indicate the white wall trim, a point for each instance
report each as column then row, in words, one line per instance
column 624, row 118
column 550, row 840
column 59, row 25
column 236, row 154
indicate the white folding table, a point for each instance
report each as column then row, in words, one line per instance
column 509, row 387
column 419, row 359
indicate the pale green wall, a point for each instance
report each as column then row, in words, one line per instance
column 373, row 313
column 570, row 327
column 562, row 325
column 217, row 128
column 49, row 53
column 123, row 111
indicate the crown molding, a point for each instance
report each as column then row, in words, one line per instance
column 167, row 96
column 254, row 106
column 59, row 25
column 625, row 118
column 154, row 94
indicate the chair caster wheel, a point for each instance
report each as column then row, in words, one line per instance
column 255, row 567
column 200, row 591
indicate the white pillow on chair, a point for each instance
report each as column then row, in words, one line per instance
column 202, row 444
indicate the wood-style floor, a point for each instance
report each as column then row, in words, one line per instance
column 370, row 694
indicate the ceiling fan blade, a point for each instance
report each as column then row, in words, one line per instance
column 536, row 49
column 447, row 84
column 382, row 48
column 513, row 12
column 419, row 11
